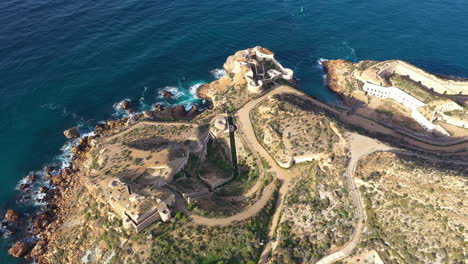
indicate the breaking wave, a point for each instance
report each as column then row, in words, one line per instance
column 62, row 109
column 193, row 89
column 176, row 93
column 320, row 62
column 218, row 73
column 352, row 51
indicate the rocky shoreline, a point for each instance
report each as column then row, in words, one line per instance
column 333, row 79
column 65, row 181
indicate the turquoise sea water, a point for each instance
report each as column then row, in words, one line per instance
column 66, row 63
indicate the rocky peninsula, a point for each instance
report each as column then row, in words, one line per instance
column 266, row 175
column 401, row 95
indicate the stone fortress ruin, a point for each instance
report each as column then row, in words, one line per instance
column 131, row 170
column 259, row 67
column 423, row 112
column 138, row 172
column 408, row 101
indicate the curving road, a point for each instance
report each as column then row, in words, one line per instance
column 359, row 146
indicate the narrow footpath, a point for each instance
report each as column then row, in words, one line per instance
column 359, row 146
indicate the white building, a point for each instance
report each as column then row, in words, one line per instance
column 393, row 93
column 407, row 100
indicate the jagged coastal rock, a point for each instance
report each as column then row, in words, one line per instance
column 334, row 70
column 126, row 105
column 19, row 249
column 253, row 69
column 167, row 94
column 12, row 216
column 71, row 133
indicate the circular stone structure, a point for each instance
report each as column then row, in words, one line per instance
column 220, row 124
column 254, row 88
column 114, row 183
column 288, row 74
column 165, row 215
column 127, row 223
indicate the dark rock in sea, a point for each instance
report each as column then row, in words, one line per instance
column 71, row 133
column 19, row 249
column 43, row 189
column 12, row 216
column 158, row 107
column 167, row 94
column 10, row 230
column 23, row 186
column 32, row 178
column 126, row 105
column 51, row 171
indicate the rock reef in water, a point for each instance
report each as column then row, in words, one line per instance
column 19, row 249
column 71, row 133
column 12, row 216
column 126, row 104
column 167, row 94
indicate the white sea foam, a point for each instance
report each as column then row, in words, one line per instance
column 143, row 106
column 174, row 90
column 193, row 89
column 320, row 65
column 188, row 106
column 321, row 61
column 119, row 112
column 218, row 73
column 62, row 109
column 64, row 158
column 142, row 98
column 352, row 50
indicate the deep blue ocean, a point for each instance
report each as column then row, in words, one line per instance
column 66, row 63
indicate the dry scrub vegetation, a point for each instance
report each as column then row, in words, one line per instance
column 416, row 210
column 317, row 216
column 289, row 127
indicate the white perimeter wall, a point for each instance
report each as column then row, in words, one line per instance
column 402, row 98
column 394, row 93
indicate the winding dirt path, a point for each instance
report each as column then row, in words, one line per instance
column 359, row 146
column 448, row 146
column 246, row 131
column 251, row 211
